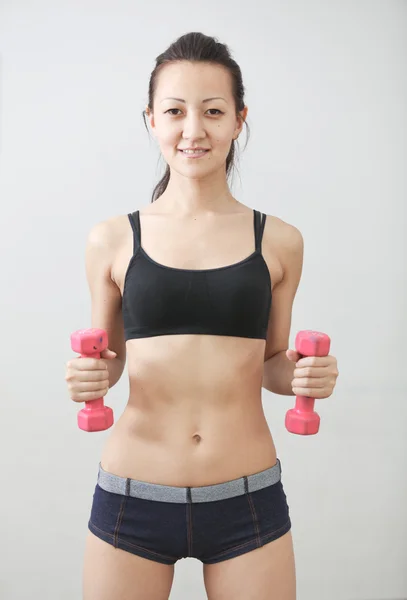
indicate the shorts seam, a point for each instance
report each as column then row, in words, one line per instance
column 189, row 524
column 119, row 521
column 254, row 517
column 262, row 538
column 110, row 535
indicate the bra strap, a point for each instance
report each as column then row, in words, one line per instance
column 134, row 219
column 259, row 223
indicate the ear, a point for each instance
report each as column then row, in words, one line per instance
column 150, row 117
column 240, row 120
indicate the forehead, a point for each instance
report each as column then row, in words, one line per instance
column 181, row 79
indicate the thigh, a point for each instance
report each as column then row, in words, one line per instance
column 111, row 573
column 266, row 573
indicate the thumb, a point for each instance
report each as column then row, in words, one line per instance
column 108, row 353
column 293, row 355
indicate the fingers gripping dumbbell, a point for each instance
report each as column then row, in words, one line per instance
column 90, row 343
column 302, row 419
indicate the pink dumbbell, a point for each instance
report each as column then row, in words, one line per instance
column 89, row 343
column 302, row 419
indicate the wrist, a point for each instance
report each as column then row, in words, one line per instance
column 278, row 374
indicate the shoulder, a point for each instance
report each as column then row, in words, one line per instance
column 283, row 239
column 282, row 232
column 108, row 233
column 104, row 241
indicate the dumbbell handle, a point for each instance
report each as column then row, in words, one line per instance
column 304, row 404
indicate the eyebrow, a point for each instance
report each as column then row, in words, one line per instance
column 203, row 101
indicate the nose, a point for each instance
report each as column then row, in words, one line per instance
column 193, row 126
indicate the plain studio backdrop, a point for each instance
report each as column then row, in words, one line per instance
column 327, row 94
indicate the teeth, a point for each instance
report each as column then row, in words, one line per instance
column 194, row 151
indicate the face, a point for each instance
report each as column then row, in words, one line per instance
column 194, row 108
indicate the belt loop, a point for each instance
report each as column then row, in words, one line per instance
column 189, row 495
column 246, row 484
column 127, row 492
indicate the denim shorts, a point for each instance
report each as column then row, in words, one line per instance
column 210, row 523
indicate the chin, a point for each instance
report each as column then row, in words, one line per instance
column 203, row 167
column 196, row 172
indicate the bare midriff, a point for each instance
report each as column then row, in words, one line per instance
column 194, row 415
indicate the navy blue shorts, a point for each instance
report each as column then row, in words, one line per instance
column 210, row 523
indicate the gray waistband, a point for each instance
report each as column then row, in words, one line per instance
column 165, row 493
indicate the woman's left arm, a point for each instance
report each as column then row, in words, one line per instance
column 285, row 372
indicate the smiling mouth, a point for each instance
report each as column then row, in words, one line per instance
column 194, row 153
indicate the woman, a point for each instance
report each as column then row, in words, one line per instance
column 183, row 289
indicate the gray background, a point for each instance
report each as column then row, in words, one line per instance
column 327, row 97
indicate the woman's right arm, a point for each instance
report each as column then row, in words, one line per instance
column 106, row 301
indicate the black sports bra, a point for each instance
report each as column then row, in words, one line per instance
column 234, row 300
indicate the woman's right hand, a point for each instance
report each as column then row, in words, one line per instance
column 88, row 378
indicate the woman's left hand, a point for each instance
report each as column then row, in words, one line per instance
column 314, row 376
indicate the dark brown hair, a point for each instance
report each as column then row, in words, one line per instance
column 197, row 47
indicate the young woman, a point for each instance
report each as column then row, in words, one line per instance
column 196, row 290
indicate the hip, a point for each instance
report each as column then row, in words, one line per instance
column 211, row 524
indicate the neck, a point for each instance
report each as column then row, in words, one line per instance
column 186, row 196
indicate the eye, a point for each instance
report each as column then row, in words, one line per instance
column 214, row 112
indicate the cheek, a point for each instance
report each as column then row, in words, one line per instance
column 170, row 139
column 223, row 144
column 168, row 135
column 223, row 135
column 166, row 131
